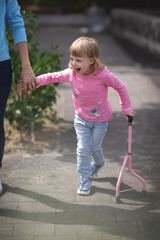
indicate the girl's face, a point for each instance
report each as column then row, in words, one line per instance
column 82, row 65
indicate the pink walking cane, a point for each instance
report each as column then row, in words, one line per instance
column 128, row 158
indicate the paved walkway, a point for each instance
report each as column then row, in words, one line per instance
column 40, row 200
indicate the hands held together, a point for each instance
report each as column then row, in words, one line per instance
column 28, row 80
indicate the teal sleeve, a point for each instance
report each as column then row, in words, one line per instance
column 15, row 21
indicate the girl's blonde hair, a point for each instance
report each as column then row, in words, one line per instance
column 87, row 46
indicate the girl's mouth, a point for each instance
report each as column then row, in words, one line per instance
column 77, row 69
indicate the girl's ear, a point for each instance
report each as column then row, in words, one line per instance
column 92, row 60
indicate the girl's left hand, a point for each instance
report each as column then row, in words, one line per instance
column 129, row 113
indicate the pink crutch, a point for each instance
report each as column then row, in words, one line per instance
column 128, row 158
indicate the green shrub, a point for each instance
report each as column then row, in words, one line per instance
column 29, row 111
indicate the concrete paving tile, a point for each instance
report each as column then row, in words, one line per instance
column 3, row 219
column 36, row 207
column 6, row 229
column 75, row 229
column 8, row 204
column 131, row 215
column 33, row 229
column 17, row 197
column 100, row 236
column 21, row 237
column 84, row 213
column 5, row 236
column 58, row 237
column 15, row 216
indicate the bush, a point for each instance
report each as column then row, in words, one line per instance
column 29, row 111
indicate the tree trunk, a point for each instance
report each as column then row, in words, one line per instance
column 32, row 133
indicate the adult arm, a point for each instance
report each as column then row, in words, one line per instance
column 27, row 74
column 16, row 24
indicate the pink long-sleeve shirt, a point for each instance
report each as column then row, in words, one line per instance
column 90, row 92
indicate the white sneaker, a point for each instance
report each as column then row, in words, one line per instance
column 1, row 188
column 84, row 187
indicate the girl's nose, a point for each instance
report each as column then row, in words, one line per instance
column 73, row 62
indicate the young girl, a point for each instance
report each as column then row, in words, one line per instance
column 90, row 80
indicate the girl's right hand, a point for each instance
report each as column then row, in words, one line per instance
column 20, row 86
column 129, row 113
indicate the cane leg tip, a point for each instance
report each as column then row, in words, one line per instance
column 117, row 199
column 144, row 193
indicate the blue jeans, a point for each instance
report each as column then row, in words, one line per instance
column 5, row 86
column 89, row 144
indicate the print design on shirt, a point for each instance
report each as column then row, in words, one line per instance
column 98, row 111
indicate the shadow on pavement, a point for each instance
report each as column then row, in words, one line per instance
column 80, row 214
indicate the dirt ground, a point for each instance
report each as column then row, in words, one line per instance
column 44, row 140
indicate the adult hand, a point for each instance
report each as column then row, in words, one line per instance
column 28, row 78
